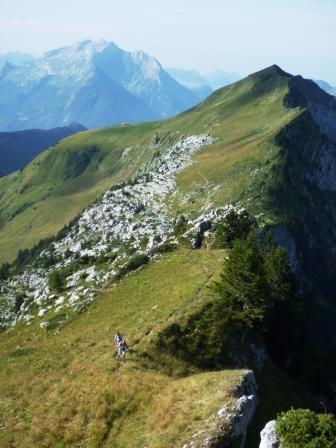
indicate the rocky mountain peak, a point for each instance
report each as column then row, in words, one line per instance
column 93, row 82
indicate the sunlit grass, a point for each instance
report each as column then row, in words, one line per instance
column 65, row 387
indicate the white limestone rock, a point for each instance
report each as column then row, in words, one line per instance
column 268, row 435
column 41, row 312
column 236, row 417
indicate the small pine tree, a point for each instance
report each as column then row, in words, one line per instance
column 256, row 276
column 57, row 281
column 243, row 288
column 4, row 271
column 279, row 276
column 234, row 226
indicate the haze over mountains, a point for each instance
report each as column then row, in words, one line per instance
column 326, row 87
column 98, row 84
column 203, row 85
column 92, row 83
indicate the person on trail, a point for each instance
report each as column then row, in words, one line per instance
column 117, row 338
column 122, row 349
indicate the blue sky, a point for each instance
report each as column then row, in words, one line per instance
column 240, row 35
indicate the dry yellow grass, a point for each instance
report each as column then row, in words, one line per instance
column 65, row 388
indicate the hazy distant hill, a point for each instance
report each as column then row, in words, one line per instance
column 19, row 147
column 94, row 83
column 202, row 85
column 326, row 87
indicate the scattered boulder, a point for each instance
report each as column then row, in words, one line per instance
column 268, row 435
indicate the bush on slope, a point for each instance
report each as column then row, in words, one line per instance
column 302, row 427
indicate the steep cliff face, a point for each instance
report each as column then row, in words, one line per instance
column 306, row 198
column 321, row 106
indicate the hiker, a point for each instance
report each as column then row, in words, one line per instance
column 117, row 339
column 122, row 349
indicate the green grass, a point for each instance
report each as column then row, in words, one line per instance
column 49, row 192
column 64, row 387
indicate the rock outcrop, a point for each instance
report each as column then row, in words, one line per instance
column 230, row 423
column 268, row 435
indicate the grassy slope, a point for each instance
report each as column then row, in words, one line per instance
column 48, row 193
column 64, row 388
column 136, row 401
column 243, row 117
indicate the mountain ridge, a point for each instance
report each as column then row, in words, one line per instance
column 20, row 147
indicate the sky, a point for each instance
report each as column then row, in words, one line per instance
column 240, row 36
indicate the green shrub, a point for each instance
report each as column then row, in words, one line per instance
column 4, row 271
column 300, row 428
column 164, row 248
column 144, row 242
column 135, row 262
column 180, row 226
column 19, row 299
column 56, row 321
column 46, row 261
column 57, row 280
column 234, row 226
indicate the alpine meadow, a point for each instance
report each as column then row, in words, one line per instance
column 168, row 265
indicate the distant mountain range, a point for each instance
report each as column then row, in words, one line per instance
column 202, row 85
column 326, row 87
column 93, row 83
column 19, row 147
column 98, row 84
